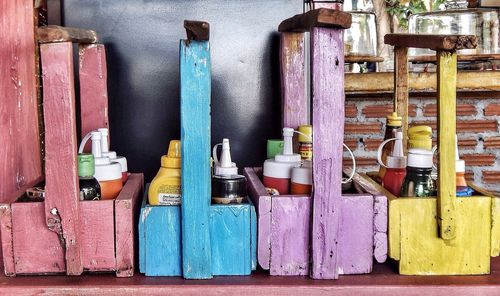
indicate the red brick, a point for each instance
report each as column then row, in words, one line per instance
column 372, row 144
column 351, row 111
column 476, row 159
column 467, row 143
column 360, row 161
column 430, row 110
column 492, row 143
column 381, row 111
column 465, row 125
column 491, row 177
column 492, row 109
column 363, row 128
column 469, row 176
column 351, row 143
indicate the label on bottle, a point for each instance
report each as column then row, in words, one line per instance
column 306, row 151
column 169, row 195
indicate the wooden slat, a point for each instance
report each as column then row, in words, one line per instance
column 55, row 34
column 327, row 52
column 20, row 149
column 435, row 42
column 380, row 222
column 293, row 80
column 195, row 138
column 61, row 201
column 447, row 79
column 401, row 95
column 197, row 30
column 460, row 57
column 322, row 17
column 126, row 208
column 93, row 88
column 363, row 59
column 7, row 264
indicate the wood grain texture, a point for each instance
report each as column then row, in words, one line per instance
column 290, row 235
column 7, row 264
column 61, row 202
column 230, row 239
column 380, row 221
column 253, row 235
column 37, row 250
column 93, row 89
column 327, row 51
column 446, row 106
column 321, row 17
column 293, row 80
column 55, row 34
column 126, row 207
column 195, row 138
column 262, row 202
column 495, row 218
column 401, row 95
column 97, row 235
column 197, row 30
column 431, row 41
column 19, row 135
column 460, row 57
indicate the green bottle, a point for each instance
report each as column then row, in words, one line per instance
column 418, row 181
column 89, row 186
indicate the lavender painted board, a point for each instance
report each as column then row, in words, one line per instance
column 356, row 234
column 380, row 222
column 327, row 49
column 290, row 235
column 293, row 80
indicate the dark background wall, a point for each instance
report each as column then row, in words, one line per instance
column 142, row 41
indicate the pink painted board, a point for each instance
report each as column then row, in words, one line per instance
column 327, row 60
column 356, row 234
column 37, row 250
column 290, row 235
column 93, row 88
column 20, row 156
column 262, row 202
column 97, row 235
column 61, row 202
column 126, row 210
column 293, row 80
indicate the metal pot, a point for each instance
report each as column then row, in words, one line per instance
column 361, row 37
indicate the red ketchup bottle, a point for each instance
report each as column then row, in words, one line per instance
column 396, row 165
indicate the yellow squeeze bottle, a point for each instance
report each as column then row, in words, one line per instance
column 165, row 189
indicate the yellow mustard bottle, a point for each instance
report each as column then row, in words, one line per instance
column 165, row 189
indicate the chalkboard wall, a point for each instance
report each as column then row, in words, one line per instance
column 142, row 41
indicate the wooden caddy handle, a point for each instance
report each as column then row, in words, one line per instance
column 445, row 46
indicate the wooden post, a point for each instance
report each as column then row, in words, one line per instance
column 62, row 190
column 195, row 84
column 447, row 81
column 401, row 96
column 327, row 51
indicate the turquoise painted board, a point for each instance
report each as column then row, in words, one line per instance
column 253, row 228
column 195, row 149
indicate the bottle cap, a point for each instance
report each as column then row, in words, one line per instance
column 278, row 169
column 111, row 154
column 420, row 158
column 302, row 175
column 305, row 135
column 420, row 136
column 394, row 120
column 86, row 165
column 108, row 172
column 287, row 155
column 173, row 157
column 224, row 167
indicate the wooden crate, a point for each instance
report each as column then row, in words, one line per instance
column 64, row 234
column 446, row 235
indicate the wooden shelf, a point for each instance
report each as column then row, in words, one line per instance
column 460, row 58
column 383, row 281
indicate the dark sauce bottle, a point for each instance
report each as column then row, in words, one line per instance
column 89, row 186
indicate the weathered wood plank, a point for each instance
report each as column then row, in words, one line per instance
column 20, row 150
column 380, row 221
column 431, row 41
column 321, row 17
column 126, row 207
column 61, row 202
column 327, row 51
column 93, row 89
column 262, row 202
column 55, row 34
column 197, row 30
column 7, row 264
column 195, row 138
column 447, row 77
column 401, row 94
column 293, row 80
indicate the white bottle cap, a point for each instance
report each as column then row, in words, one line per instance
column 224, row 167
column 105, row 170
column 302, row 175
column 420, row 158
column 111, row 154
column 459, row 163
column 278, row 169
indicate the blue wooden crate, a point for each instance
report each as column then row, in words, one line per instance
column 233, row 239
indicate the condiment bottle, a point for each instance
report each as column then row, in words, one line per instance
column 112, row 154
column 462, row 188
column 165, row 189
column 305, row 142
column 393, row 125
column 301, row 179
column 277, row 171
column 418, row 181
column 227, row 185
column 396, row 165
column 89, row 186
column 420, row 136
column 108, row 173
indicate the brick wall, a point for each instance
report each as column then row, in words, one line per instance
column 477, row 128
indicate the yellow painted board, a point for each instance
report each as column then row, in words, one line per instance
column 423, row 252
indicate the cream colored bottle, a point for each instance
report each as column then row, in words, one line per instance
column 165, row 189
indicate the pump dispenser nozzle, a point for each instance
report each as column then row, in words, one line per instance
column 224, row 167
column 112, row 154
column 287, row 155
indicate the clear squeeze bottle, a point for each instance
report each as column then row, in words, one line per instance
column 396, row 165
column 393, row 125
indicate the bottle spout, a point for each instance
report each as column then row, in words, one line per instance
column 287, row 141
column 224, row 166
